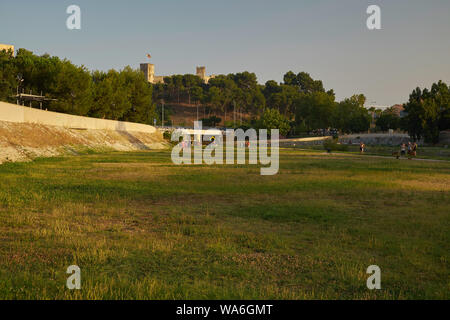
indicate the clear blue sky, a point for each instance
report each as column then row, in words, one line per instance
column 327, row 38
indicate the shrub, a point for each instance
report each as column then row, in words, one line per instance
column 333, row 145
column 167, row 135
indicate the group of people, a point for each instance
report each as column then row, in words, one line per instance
column 411, row 147
column 324, row 132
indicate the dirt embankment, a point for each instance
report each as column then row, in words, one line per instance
column 25, row 141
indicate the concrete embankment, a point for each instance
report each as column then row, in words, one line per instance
column 26, row 133
column 394, row 139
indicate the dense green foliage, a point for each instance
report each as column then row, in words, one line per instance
column 388, row 120
column 118, row 95
column 301, row 103
column 428, row 112
column 333, row 145
column 272, row 119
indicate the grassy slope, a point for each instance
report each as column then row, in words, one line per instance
column 140, row 227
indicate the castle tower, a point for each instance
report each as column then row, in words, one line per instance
column 149, row 71
column 201, row 73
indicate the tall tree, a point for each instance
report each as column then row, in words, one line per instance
column 428, row 112
column 351, row 116
column 314, row 110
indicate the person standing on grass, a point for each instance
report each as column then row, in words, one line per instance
column 414, row 149
column 403, row 149
column 361, row 147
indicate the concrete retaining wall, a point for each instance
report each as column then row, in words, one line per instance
column 20, row 114
column 312, row 141
column 394, row 139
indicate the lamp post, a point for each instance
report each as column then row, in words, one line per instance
column 162, row 113
column 19, row 81
column 234, row 114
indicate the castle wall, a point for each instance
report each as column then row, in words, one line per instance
column 158, row 79
column 149, row 72
column 201, row 73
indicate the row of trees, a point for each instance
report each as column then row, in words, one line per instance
column 427, row 114
column 118, row 95
column 238, row 92
column 299, row 104
column 389, row 120
column 299, row 101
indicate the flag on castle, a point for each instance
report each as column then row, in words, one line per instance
column 148, row 55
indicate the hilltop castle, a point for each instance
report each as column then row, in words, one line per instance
column 149, row 72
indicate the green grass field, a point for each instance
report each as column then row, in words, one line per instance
column 140, row 227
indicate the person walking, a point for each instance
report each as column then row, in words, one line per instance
column 414, row 149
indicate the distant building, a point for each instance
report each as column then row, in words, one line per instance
column 7, row 47
column 201, row 73
column 382, row 108
column 398, row 110
column 149, row 71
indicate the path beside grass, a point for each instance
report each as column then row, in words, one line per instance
column 382, row 157
column 436, row 153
